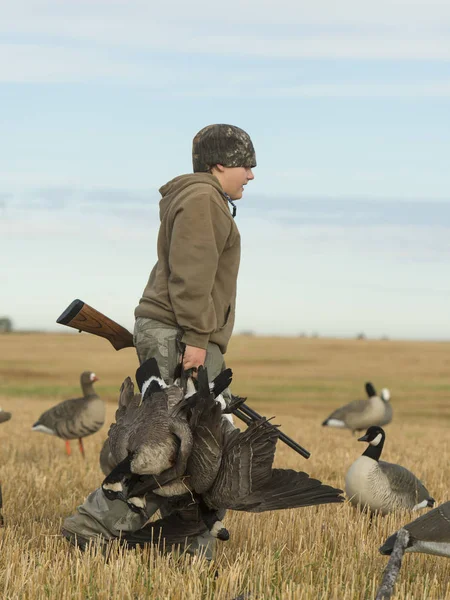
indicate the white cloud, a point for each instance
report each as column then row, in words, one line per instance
column 288, row 29
column 87, row 16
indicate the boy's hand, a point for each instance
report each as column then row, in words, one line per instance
column 193, row 357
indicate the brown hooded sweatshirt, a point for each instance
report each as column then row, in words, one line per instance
column 193, row 284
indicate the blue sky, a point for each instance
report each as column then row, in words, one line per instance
column 346, row 227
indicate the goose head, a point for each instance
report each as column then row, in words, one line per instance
column 115, row 485
column 88, row 377
column 375, row 437
column 385, row 395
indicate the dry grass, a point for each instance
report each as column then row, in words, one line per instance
column 329, row 552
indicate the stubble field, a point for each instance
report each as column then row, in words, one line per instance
column 325, row 552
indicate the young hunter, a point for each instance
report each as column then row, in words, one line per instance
column 189, row 302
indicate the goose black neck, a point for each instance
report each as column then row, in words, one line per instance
column 119, row 471
column 374, row 452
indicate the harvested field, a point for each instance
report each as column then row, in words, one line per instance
column 328, row 552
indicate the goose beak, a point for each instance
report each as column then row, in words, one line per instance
column 364, row 438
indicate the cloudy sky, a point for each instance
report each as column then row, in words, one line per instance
column 346, row 227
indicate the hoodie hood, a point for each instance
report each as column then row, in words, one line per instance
column 178, row 184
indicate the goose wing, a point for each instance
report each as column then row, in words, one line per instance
column 126, row 414
column 246, row 464
column 107, row 462
column 357, row 406
column 206, row 424
column 61, row 413
column 289, row 489
column 404, row 484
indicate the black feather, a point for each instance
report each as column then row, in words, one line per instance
column 221, row 382
column 148, row 369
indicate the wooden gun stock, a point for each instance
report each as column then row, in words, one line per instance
column 83, row 317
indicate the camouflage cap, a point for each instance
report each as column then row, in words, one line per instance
column 221, row 144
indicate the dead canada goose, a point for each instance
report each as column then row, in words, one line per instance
column 201, row 409
column 230, row 469
column 381, row 486
column 4, row 416
column 361, row 414
column 148, row 437
column 429, row 534
column 75, row 418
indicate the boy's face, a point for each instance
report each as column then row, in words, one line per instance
column 233, row 180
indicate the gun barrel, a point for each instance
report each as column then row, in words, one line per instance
column 254, row 416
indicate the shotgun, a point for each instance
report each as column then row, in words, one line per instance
column 83, row 317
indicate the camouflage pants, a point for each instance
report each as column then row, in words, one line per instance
column 101, row 518
column 152, row 338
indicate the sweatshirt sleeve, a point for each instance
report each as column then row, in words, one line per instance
column 197, row 241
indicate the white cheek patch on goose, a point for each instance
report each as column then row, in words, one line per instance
column 376, row 440
column 422, row 504
column 136, row 501
column 93, row 376
column 162, row 384
column 113, row 487
column 385, row 394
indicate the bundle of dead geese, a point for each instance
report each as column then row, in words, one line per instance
column 174, row 442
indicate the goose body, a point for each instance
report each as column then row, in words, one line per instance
column 4, row 416
column 381, row 486
column 146, row 439
column 75, row 418
column 428, row 534
column 361, row 414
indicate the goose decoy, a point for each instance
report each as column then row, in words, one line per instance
column 4, row 416
column 381, row 486
column 428, row 534
column 75, row 418
column 361, row 414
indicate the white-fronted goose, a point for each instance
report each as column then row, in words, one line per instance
column 361, row 414
column 428, row 534
column 4, row 416
column 381, row 486
column 75, row 418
